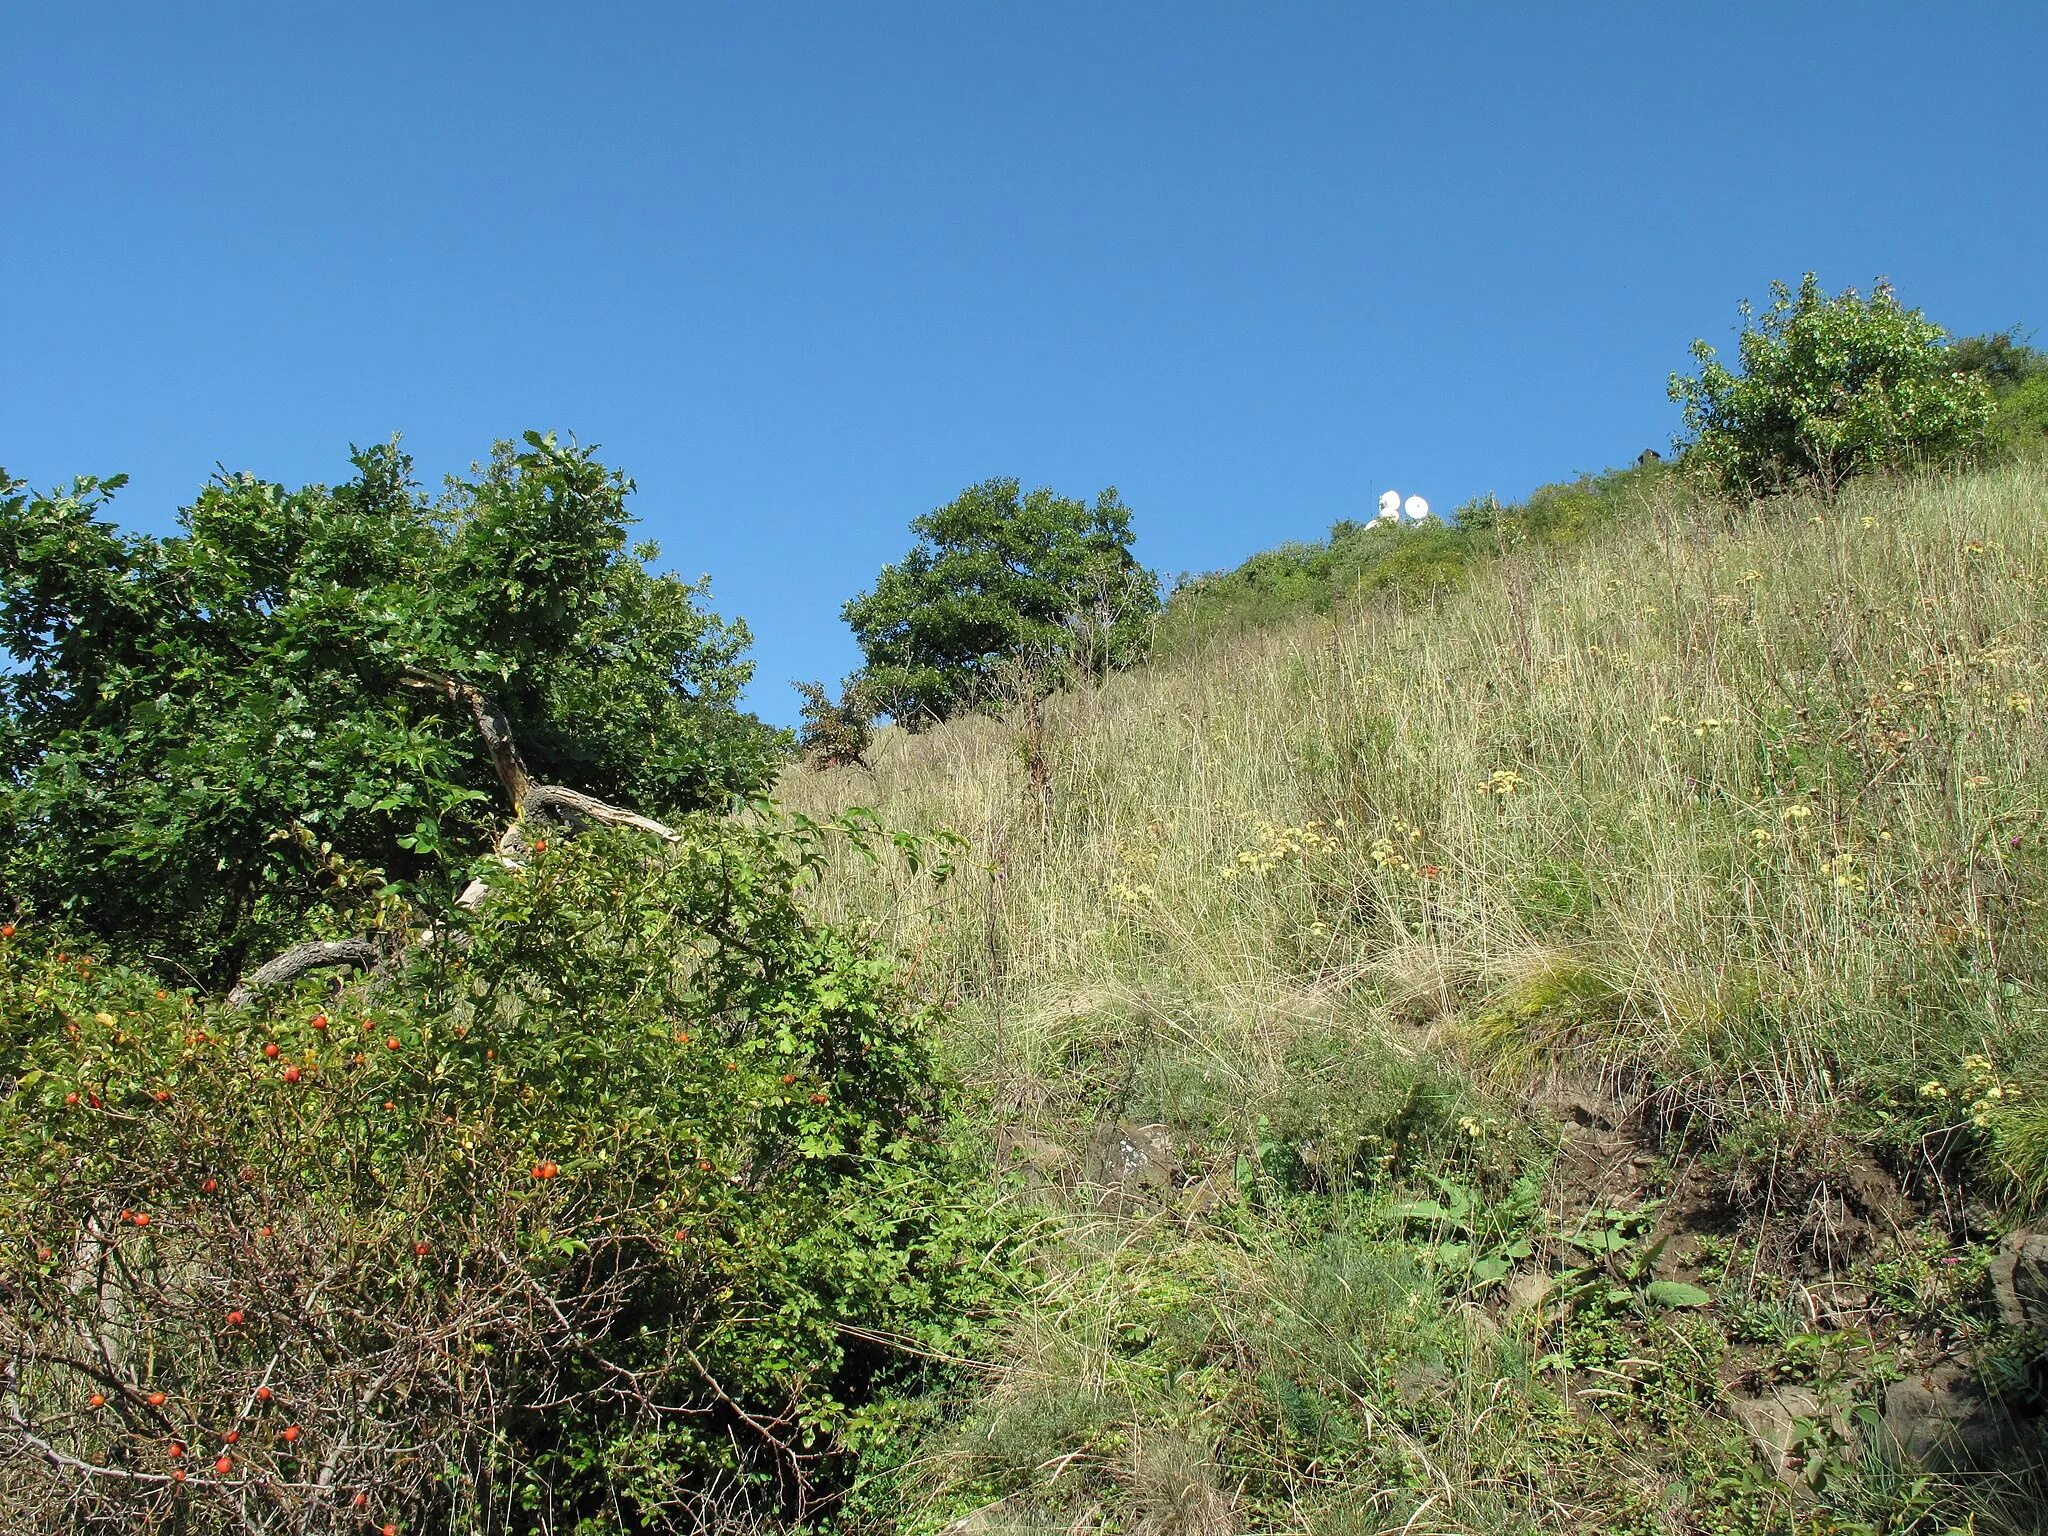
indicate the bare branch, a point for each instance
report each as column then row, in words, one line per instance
column 315, row 955
column 491, row 723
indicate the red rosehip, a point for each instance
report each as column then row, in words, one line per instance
column 263, row 1394
column 391, row 1044
column 177, row 1450
column 232, row 1436
column 541, row 846
column 142, row 1218
column 270, row 1048
column 156, row 1399
column 319, row 1021
column 291, row 1074
column 97, row 1401
column 235, row 1319
column 224, row 1466
column 6, row 930
column 291, row 1434
column 177, row 1474
column 70, row 1098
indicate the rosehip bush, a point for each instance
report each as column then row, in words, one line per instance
column 659, row 1209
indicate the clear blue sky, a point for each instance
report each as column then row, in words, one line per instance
column 805, row 271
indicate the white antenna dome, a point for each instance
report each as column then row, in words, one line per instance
column 1390, row 505
column 1416, row 508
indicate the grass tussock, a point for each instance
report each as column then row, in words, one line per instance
column 1708, row 849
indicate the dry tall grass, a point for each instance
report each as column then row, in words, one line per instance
column 1740, row 813
column 1749, row 775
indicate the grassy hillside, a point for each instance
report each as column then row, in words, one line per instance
column 1481, row 1057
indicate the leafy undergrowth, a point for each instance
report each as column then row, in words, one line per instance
column 1462, row 1051
column 633, row 1204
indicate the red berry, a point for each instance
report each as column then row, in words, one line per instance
column 177, row 1474
column 70, row 1098
column 232, row 1436
column 156, row 1399
column 142, row 1218
column 270, row 1048
column 263, row 1231
column 541, row 846
column 392, row 1043
column 319, row 1021
column 235, row 1319
column 291, row 1074
column 224, row 1466
column 177, row 1450
column 163, row 1095
column 360, row 1500
column 209, row 1186
column 291, row 1433
column 6, row 930
column 390, row 1530
column 421, row 1250
column 43, row 1255
column 263, row 1394
column 97, row 1401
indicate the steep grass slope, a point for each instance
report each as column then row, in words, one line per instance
column 1489, row 1062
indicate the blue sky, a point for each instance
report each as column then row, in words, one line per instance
column 805, row 271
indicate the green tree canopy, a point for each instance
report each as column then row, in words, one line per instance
column 996, row 574
column 217, row 743
column 1829, row 388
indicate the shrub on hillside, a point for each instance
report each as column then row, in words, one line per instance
column 609, row 1209
column 997, row 574
column 1830, row 388
column 835, row 733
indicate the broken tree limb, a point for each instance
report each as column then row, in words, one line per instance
column 318, row 954
column 569, row 804
column 491, row 723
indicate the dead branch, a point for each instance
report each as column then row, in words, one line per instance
column 315, row 955
column 570, row 805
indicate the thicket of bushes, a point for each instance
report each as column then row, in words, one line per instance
column 635, row 1201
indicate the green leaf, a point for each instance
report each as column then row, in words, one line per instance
column 1676, row 1293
